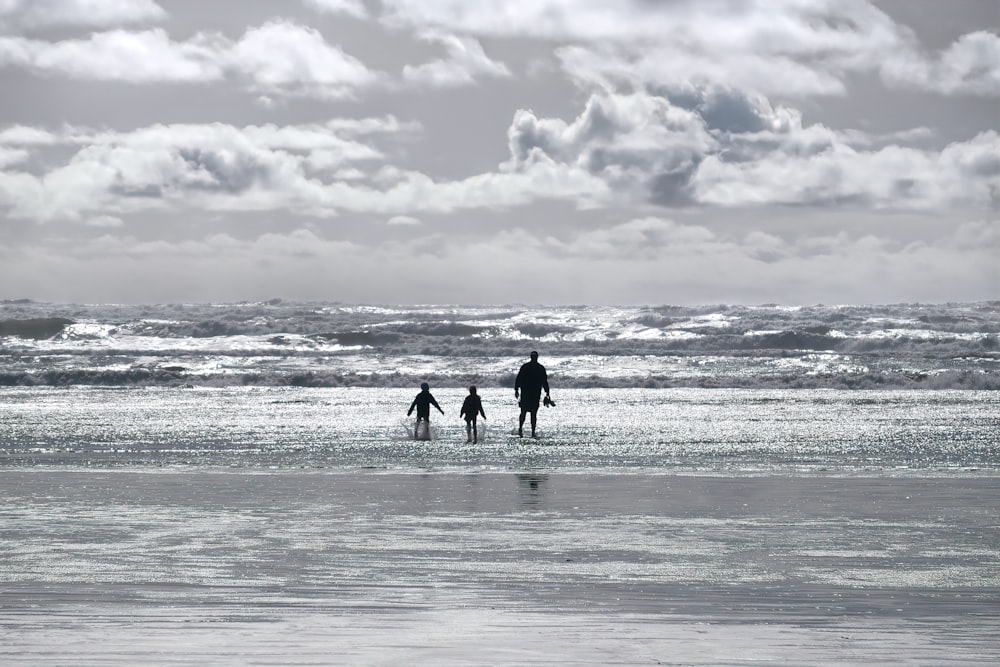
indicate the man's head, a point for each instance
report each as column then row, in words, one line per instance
column 424, row 386
column 534, row 356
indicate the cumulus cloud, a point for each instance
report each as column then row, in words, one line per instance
column 227, row 168
column 637, row 143
column 714, row 146
column 279, row 57
column 726, row 147
column 786, row 47
column 283, row 57
column 17, row 16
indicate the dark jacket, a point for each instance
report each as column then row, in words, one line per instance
column 423, row 403
column 473, row 404
column 531, row 379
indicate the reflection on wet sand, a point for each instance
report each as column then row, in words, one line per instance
column 530, row 489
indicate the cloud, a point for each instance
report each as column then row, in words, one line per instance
column 403, row 221
column 222, row 167
column 118, row 55
column 277, row 58
column 198, row 165
column 17, row 16
column 637, row 143
column 965, row 174
column 786, row 47
column 971, row 66
column 638, row 260
column 715, row 147
column 283, row 57
column 12, row 156
column 354, row 8
column 728, row 148
column 465, row 61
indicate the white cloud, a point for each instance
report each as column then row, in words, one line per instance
column 28, row 15
column 465, row 61
column 971, row 65
column 725, row 148
column 729, row 149
column 355, row 8
column 11, row 156
column 118, row 55
column 965, row 174
column 658, row 65
column 786, row 47
column 225, row 168
column 283, row 57
column 277, row 58
column 403, row 221
column 24, row 135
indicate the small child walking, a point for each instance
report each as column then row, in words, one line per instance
column 471, row 409
column 423, row 403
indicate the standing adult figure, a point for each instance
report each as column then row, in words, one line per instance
column 528, row 386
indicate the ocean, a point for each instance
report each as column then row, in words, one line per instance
column 236, row 484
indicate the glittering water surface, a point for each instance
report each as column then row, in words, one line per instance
column 693, row 430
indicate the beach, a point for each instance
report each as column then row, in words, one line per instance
column 186, row 566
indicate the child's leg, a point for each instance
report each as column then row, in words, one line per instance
column 475, row 431
column 468, row 430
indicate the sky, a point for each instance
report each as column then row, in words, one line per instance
column 529, row 151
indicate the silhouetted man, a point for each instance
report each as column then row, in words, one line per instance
column 528, row 386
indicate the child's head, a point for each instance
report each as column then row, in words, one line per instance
column 424, row 386
column 472, row 390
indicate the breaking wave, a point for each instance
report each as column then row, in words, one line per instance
column 936, row 346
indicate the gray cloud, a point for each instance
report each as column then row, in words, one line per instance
column 19, row 16
column 733, row 149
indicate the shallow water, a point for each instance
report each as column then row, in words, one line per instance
column 267, row 525
column 723, row 431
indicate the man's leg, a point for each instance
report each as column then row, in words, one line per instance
column 534, row 422
column 520, row 424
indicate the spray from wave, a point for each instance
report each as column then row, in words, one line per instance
column 279, row 343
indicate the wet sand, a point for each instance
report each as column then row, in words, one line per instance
column 191, row 567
